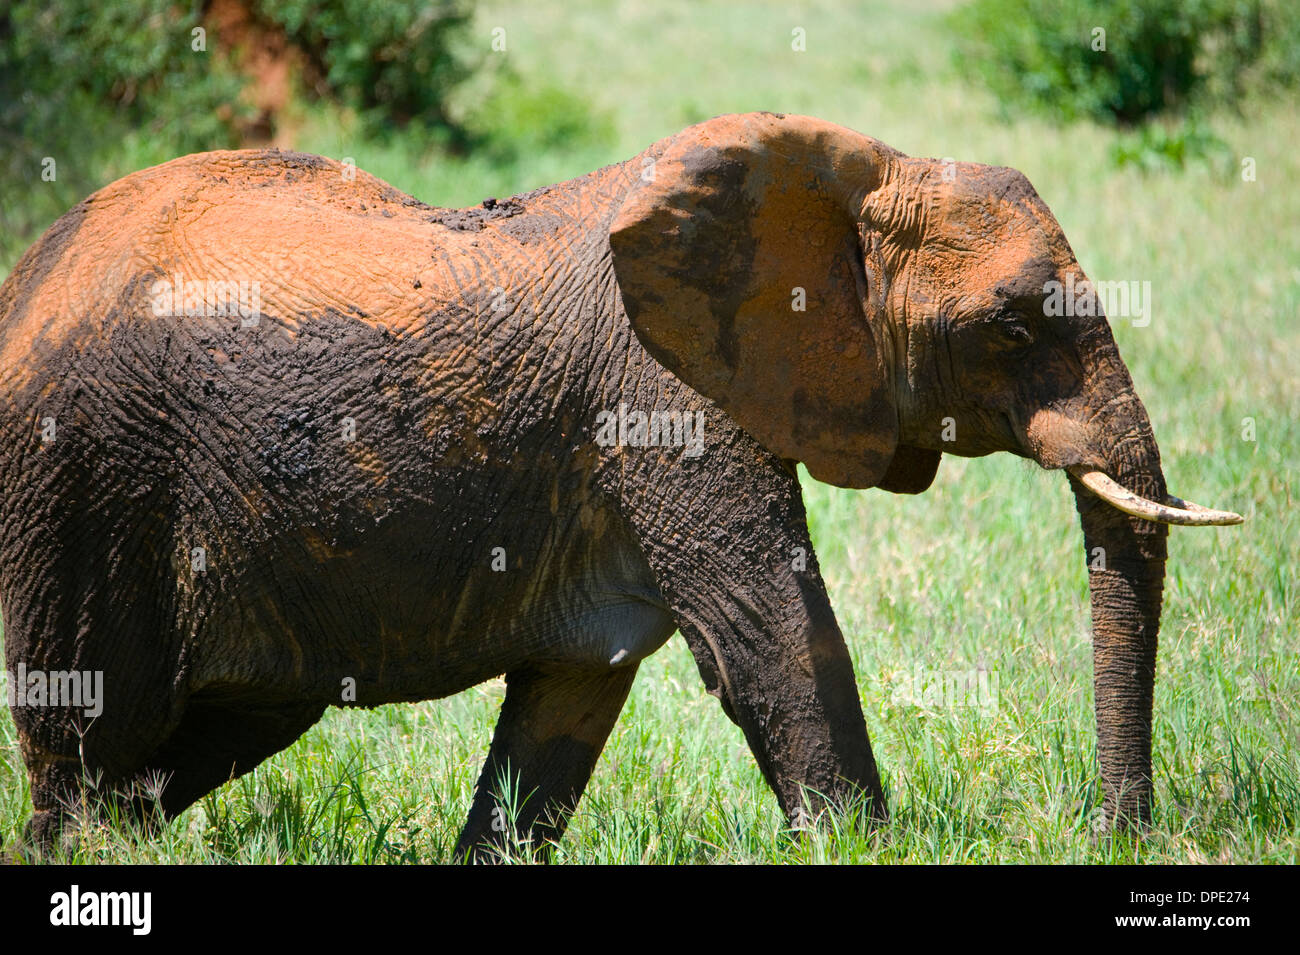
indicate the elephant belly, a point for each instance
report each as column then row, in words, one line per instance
column 389, row 621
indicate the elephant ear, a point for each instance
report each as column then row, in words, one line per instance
column 739, row 263
column 912, row 470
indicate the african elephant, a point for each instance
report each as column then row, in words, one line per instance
column 275, row 436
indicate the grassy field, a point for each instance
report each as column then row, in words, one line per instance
column 983, row 571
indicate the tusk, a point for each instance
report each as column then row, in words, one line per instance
column 1174, row 511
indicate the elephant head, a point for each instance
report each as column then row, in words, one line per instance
column 863, row 311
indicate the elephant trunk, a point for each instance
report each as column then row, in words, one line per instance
column 1126, row 569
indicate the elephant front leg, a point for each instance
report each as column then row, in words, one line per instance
column 552, row 727
column 784, row 676
column 736, row 567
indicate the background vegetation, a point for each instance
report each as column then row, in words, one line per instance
column 1161, row 55
column 984, row 571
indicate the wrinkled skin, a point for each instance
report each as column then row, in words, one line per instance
column 472, row 351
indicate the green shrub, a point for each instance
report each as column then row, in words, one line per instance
column 404, row 63
column 78, row 74
column 394, row 62
column 1154, row 146
column 512, row 118
column 1154, row 55
column 73, row 68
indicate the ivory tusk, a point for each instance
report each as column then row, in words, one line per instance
column 1174, row 511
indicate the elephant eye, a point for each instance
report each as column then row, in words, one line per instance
column 1014, row 329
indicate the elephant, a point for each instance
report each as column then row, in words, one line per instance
column 275, row 436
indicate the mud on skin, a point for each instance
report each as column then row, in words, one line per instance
column 391, row 477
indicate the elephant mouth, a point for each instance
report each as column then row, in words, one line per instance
column 1174, row 510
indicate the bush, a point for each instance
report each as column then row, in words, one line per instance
column 394, row 62
column 70, row 69
column 513, row 118
column 77, row 74
column 1155, row 146
column 403, row 62
column 1154, row 55
column 84, row 81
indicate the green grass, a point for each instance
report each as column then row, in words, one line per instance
column 984, row 570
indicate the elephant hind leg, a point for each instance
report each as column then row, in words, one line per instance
column 212, row 744
column 58, row 786
column 217, row 741
column 83, row 756
column 75, row 775
column 552, row 727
